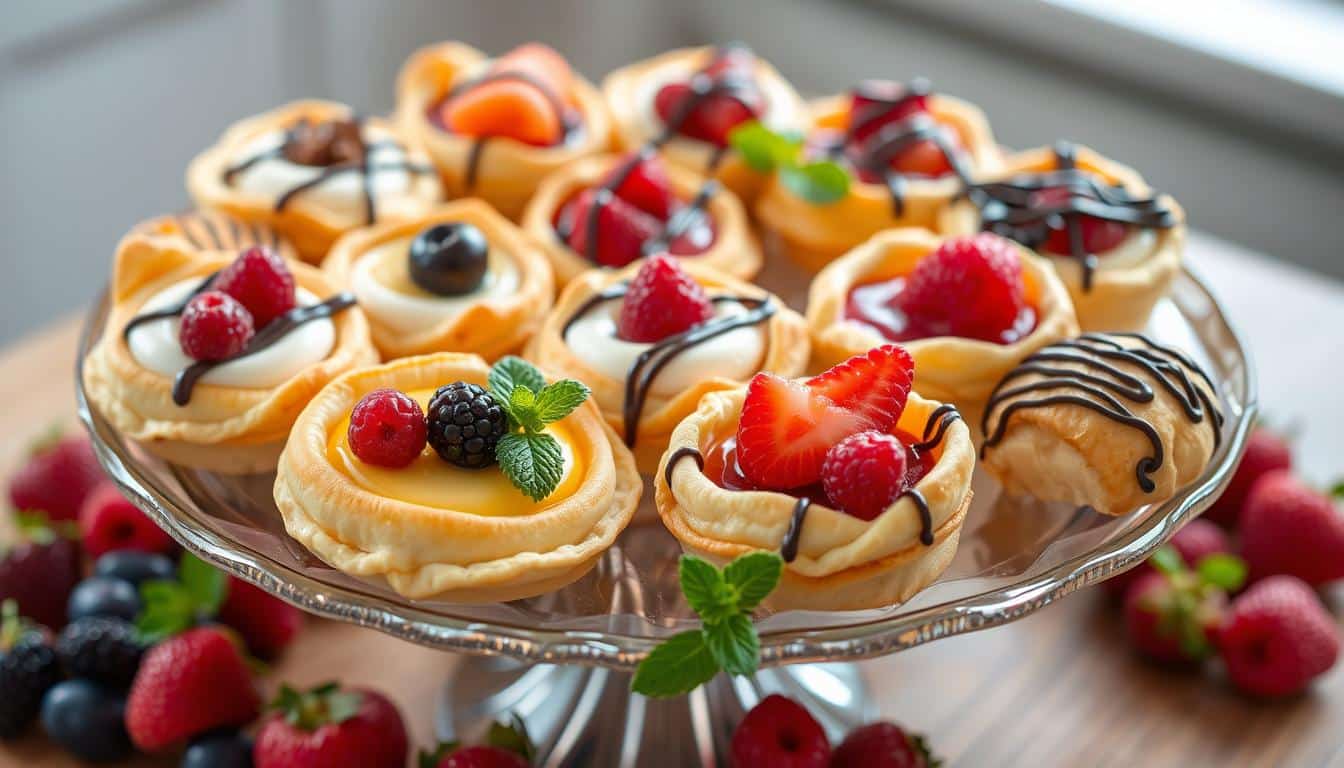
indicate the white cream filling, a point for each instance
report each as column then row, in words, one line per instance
column 782, row 110
column 1132, row 251
column 736, row 354
column 155, row 346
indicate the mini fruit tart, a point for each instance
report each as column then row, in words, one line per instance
column 313, row 170
column 199, row 230
column 685, row 104
column 1116, row 243
column 1156, row 407
column 609, row 211
column 859, row 484
column 968, row 309
column 461, row 278
column 907, row 152
column 654, row 338
column 495, row 126
column 207, row 358
column 455, row 481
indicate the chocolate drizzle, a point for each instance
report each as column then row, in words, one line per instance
column 793, row 535
column 678, row 455
column 202, row 232
column 1099, row 384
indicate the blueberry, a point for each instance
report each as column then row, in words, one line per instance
column 221, row 749
column 135, row 567
column 86, row 720
column 449, row 259
column 104, row 596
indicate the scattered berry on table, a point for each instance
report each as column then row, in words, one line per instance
column 135, row 567
column 103, row 596
column 267, row 624
column 465, row 424
column 331, row 726
column 28, row 669
column 87, row 720
column 779, row 732
column 215, row 326
column 260, row 280
column 662, row 300
column 882, row 745
column 1289, row 527
column 220, row 749
column 1265, row 451
column 40, row 572
column 387, row 429
column 864, row 473
column 1195, row 541
column 56, row 478
column 1171, row 622
column 1277, row 637
column 104, row 650
column 109, row 522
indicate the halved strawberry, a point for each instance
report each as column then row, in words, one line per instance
column 1099, row 235
column 645, row 186
column 786, row 429
column 882, row 102
column 713, row 118
column 873, row 385
column 662, row 301
column 622, row 229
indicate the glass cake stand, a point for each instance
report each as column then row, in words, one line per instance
column 562, row 661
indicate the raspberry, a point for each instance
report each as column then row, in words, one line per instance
column 465, row 424
column 662, row 301
column 1278, row 637
column 779, row 732
column 260, row 281
column 881, row 745
column 56, row 479
column 387, row 429
column 864, row 473
column 110, row 523
column 970, row 287
column 215, row 327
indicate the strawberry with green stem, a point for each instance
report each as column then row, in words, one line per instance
column 1172, row 614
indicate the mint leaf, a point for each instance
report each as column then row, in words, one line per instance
column 680, row 665
column 168, row 609
column 206, row 585
column 734, row 644
column 1167, row 560
column 523, row 407
column 1227, row 572
column 532, row 462
column 820, row 182
column 512, row 737
column 762, row 149
column 513, row 372
column 558, row 400
column 703, row 586
column 754, row 576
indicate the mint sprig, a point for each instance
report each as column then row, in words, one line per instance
column 767, row 151
column 174, row 606
column 528, row 456
column 727, row 639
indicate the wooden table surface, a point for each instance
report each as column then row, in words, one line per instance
column 1056, row 688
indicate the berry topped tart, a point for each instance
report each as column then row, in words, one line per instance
column 455, row 481
column 207, row 357
column 608, row 211
column 1116, row 243
column 313, row 170
column 461, row 278
column 860, row 484
column 685, row 104
column 495, row 126
column 199, row 230
column 652, row 339
column 905, row 150
column 967, row 309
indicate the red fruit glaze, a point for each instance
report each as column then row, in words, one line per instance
column 785, row 430
column 215, row 327
column 40, row 577
column 1265, row 451
column 1289, row 527
column 56, row 479
column 267, row 624
column 387, row 429
column 482, row 757
column 779, row 733
column 970, row 287
column 622, row 229
column 1197, row 540
column 644, row 186
column 108, row 522
column 1277, row 638
column 879, row 745
column 375, row 737
column 874, row 385
column 864, row 473
column 261, row 281
column 662, row 301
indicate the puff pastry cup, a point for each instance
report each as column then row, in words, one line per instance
column 222, row 428
column 631, row 92
column 502, row 171
column 1158, row 410
column 199, row 230
column 735, row 250
column 812, row 234
column 493, row 320
column 430, row 547
column 646, row 415
column 958, row 370
column 300, row 168
column 1111, row 291
column 841, row 562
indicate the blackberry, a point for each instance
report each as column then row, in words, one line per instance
column 103, row 649
column 465, row 424
column 27, row 671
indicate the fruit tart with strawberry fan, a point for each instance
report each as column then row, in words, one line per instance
column 685, row 104
column 204, row 230
column 967, row 309
column 609, row 211
column 461, row 278
column 652, row 339
column 207, row 357
column 907, row 150
column 1115, row 242
column 493, row 126
column 860, row 484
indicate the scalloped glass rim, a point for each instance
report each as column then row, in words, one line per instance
column 1081, row 550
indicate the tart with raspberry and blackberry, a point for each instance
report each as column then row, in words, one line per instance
column 313, row 170
column 685, row 103
column 495, row 126
column 437, row 476
column 206, row 358
column 461, row 278
column 1115, row 242
column 968, row 309
column 860, row 484
column 202, row 230
column 652, row 339
column 908, row 152
column 609, row 211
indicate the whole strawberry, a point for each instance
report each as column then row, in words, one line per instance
column 1277, row 638
column 1172, row 613
column 59, row 475
column 40, row 571
column 778, row 732
column 506, row 746
column 268, row 624
column 111, row 523
column 1265, row 452
column 189, row 684
column 1197, row 540
column 1289, row 527
column 882, row 745
column 327, row 727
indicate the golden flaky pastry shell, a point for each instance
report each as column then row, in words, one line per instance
column 491, row 327
column 735, row 251
column 786, row 353
column 630, row 91
column 1071, row 453
column 311, row 226
column 1122, row 295
column 231, row 430
column 948, row 368
column 843, row 563
column 425, row 552
column 507, row 170
column 813, row 235
column 198, row 230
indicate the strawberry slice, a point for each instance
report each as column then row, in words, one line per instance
column 662, row 301
column 645, row 186
column 713, row 118
column 786, row 429
column 882, row 102
column 1099, row 235
column 622, row 229
column 873, row 385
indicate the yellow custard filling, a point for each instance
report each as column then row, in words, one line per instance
column 432, row 482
